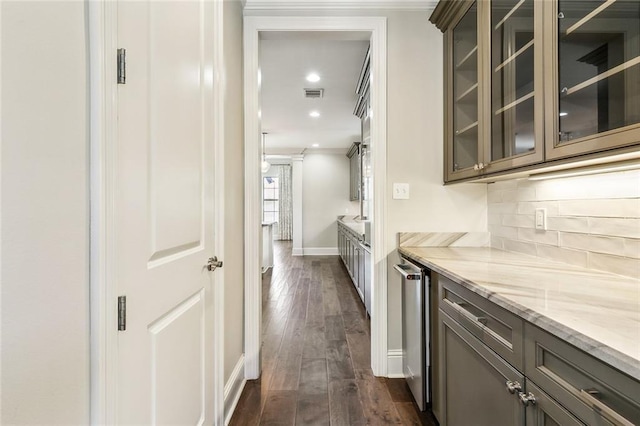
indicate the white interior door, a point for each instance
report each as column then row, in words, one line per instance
column 164, row 213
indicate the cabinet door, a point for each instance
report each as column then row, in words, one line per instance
column 367, row 280
column 515, row 107
column 546, row 411
column 461, row 83
column 593, row 91
column 354, row 174
column 472, row 381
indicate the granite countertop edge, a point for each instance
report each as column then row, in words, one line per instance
column 595, row 348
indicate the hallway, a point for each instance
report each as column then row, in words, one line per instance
column 316, row 353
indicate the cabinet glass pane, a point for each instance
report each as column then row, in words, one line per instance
column 512, row 65
column 599, row 66
column 465, row 91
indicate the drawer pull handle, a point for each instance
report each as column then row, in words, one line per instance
column 587, row 395
column 458, row 307
column 527, row 398
column 513, row 387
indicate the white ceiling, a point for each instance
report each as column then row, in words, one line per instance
column 285, row 60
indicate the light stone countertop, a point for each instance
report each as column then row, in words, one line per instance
column 356, row 225
column 595, row 311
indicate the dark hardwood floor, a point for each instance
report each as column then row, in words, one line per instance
column 316, row 353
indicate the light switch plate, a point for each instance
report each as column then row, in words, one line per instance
column 400, row 191
column 541, row 219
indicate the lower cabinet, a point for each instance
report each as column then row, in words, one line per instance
column 473, row 381
column 357, row 259
column 479, row 383
column 546, row 411
column 367, row 271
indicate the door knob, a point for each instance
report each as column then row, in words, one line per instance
column 214, row 263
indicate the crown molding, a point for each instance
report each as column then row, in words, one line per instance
column 407, row 5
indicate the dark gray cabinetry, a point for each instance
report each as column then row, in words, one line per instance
column 355, row 172
column 534, row 83
column 367, row 277
column 356, row 257
column 474, row 380
column 484, row 351
column 497, row 328
column 592, row 98
column 546, row 411
column 594, row 392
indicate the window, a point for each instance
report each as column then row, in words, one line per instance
column 270, row 196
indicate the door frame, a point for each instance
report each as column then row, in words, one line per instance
column 253, row 25
column 102, row 25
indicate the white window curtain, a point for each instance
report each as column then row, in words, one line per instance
column 285, row 217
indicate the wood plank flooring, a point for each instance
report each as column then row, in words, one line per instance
column 316, row 353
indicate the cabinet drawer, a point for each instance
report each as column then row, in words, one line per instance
column 495, row 327
column 546, row 411
column 593, row 391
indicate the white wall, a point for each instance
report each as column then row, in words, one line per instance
column 592, row 221
column 234, row 188
column 325, row 196
column 45, row 214
column 415, row 149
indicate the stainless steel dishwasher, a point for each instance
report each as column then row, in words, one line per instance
column 415, row 330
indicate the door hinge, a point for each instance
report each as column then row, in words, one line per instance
column 122, row 313
column 122, row 66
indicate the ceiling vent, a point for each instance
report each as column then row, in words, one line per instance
column 313, row 93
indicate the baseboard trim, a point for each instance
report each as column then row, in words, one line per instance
column 320, row 251
column 394, row 364
column 233, row 389
column 297, row 252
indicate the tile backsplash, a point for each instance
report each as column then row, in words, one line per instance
column 592, row 221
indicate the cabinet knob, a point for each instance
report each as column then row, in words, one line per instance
column 513, row 386
column 527, row 399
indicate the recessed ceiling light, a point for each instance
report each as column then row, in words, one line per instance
column 315, row 145
column 313, row 77
column 562, row 114
column 314, row 114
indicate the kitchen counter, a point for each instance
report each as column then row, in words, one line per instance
column 356, row 225
column 595, row 311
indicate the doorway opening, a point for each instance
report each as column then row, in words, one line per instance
column 370, row 31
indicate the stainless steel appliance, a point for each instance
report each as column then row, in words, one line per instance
column 415, row 330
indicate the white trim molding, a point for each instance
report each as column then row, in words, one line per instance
column 233, row 389
column 102, row 24
column 253, row 26
column 219, row 85
column 320, row 251
column 406, row 5
column 394, row 364
column 297, row 164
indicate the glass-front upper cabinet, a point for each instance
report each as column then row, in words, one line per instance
column 515, row 108
column 593, row 101
column 463, row 149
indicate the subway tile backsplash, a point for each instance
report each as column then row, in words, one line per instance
column 592, row 221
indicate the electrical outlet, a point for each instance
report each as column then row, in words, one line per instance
column 541, row 219
column 400, row 191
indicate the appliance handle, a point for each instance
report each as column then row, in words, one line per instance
column 407, row 275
